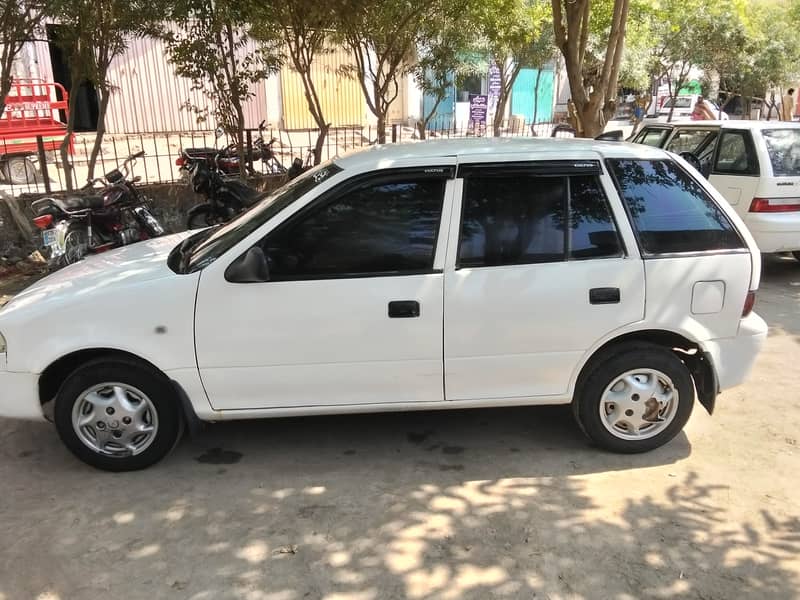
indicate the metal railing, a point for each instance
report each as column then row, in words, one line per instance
column 43, row 172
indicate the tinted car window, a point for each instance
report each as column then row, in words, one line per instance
column 652, row 137
column 689, row 140
column 592, row 230
column 512, row 220
column 670, row 211
column 783, row 146
column 528, row 219
column 376, row 228
column 736, row 154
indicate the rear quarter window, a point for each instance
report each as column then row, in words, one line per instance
column 670, row 211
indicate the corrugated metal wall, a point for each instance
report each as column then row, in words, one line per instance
column 150, row 96
column 341, row 96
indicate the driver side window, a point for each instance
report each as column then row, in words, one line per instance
column 388, row 227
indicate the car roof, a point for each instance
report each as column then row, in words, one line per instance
column 730, row 124
column 468, row 150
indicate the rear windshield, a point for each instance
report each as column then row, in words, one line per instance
column 684, row 102
column 783, row 147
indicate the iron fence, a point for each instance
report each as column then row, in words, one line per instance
column 43, row 171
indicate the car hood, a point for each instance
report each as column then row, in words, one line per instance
column 136, row 263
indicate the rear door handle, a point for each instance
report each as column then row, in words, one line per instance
column 604, row 295
column 403, row 309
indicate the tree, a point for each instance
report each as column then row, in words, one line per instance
column 516, row 34
column 442, row 56
column 209, row 46
column 92, row 34
column 383, row 36
column 592, row 79
column 303, row 27
column 19, row 19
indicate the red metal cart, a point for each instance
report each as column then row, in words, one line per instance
column 34, row 108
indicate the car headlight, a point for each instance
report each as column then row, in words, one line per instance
column 2, row 344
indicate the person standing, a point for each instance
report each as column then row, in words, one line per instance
column 787, row 106
column 701, row 111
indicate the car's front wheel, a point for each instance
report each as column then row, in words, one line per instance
column 635, row 400
column 117, row 415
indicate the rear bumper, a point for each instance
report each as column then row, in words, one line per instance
column 19, row 396
column 733, row 357
column 775, row 232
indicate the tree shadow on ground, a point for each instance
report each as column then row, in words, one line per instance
column 506, row 503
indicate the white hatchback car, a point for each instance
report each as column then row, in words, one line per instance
column 436, row 275
column 754, row 164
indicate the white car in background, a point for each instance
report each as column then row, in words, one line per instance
column 444, row 274
column 754, row 164
column 684, row 105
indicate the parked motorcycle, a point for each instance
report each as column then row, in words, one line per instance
column 116, row 214
column 227, row 197
column 226, row 160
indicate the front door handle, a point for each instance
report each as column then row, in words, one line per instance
column 403, row 309
column 604, row 295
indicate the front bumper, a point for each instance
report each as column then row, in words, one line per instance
column 734, row 357
column 19, row 396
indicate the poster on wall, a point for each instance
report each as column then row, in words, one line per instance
column 477, row 112
column 494, row 87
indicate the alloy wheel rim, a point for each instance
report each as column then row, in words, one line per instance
column 639, row 404
column 115, row 419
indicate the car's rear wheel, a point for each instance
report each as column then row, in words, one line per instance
column 635, row 400
column 117, row 415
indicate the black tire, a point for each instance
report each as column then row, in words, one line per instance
column 154, row 385
column 603, row 373
column 202, row 219
column 796, row 255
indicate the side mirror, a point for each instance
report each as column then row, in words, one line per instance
column 250, row 267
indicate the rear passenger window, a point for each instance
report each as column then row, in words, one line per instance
column 518, row 219
column 736, row 154
column 670, row 211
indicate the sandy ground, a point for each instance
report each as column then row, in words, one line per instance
column 452, row 505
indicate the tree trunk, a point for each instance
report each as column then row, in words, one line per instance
column 536, row 97
column 323, row 133
column 422, row 128
column 500, row 112
column 591, row 120
column 381, row 127
column 66, row 161
column 101, row 130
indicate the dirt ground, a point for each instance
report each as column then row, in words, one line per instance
column 505, row 503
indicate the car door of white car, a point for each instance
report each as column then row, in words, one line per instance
column 735, row 169
column 537, row 273
column 351, row 312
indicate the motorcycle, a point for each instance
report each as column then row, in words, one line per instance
column 115, row 215
column 227, row 160
column 227, row 197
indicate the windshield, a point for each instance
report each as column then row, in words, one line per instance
column 783, row 147
column 203, row 248
column 680, row 102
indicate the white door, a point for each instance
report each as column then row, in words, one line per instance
column 351, row 312
column 536, row 275
column 735, row 170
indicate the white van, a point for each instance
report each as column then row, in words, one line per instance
column 444, row 274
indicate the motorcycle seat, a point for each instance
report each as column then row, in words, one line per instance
column 75, row 203
column 243, row 192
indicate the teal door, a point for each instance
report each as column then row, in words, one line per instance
column 445, row 112
column 527, row 101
